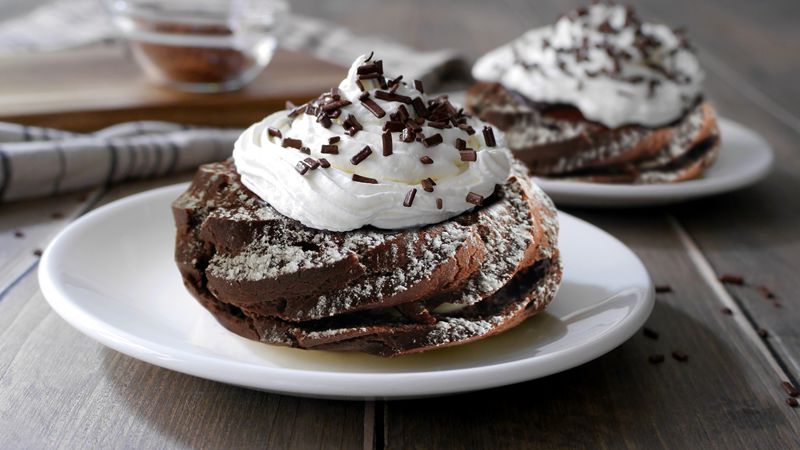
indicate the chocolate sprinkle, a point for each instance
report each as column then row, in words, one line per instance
column 418, row 86
column 461, row 144
column 680, row 356
column 765, row 292
column 474, row 198
column 762, row 333
column 650, row 333
column 301, row 167
column 426, row 160
column 439, row 203
column 470, row 131
column 329, row 149
column 312, row 163
column 392, row 97
column 290, row 142
column 334, row 139
column 663, row 289
column 433, row 141
column 360, row 179
column 488, row 136
column 274, row 132
column 792, row 402
column 19, row 234
column 37, row 252
column 393, row 126
column 386, row 139
column 790, row 389
column 727, row 311
column 305, row 150
column 334, row 105
column 468, row 155
column 428, row 184
column 373, row 107
column 409, row 197
column 360, row 156
column 732, row 279
column 324, row 163
column 407, row 135
column 419, row 107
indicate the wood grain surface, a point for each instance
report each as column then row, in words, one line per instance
column 59, row 389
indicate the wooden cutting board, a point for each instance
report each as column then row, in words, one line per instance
column 91, row 88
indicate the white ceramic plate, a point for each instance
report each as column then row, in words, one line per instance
column 744, row 158
column 111, row 275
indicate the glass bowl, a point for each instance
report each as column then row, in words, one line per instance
column 200, row 45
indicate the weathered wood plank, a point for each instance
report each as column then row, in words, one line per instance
column 60, row 389
column 725, row 396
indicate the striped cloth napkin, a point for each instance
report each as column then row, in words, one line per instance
column 37, row 162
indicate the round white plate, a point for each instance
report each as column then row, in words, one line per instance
column 744, row 158
column 111, row 275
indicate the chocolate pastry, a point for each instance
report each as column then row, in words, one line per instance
column 600, row 96
column 556, row 141
column 373, row 218
column 267, row 277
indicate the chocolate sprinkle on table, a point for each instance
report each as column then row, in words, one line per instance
column 765, row 292
column 656, row 359
column 433, row 141
column 418, row 86
column 329, row 149
column 650, row 333
column 290, row 142
column 732, row 279
column 439, row 203
column 762, row 333
column 792, row 402
column 334, row 139
column 474, row 198
column 360, row 179
column 324, row 163
column 680, row 356
column 301, row 167
column 312, row 163
column 488, row 136
column 37, row 252
column 360, row 156
column 663, row 289
column 274, row 132
column 409, row 197
column 468, row 155
column 727, row 311
column 461, row 144
column 428, row 184
column 386, row 139
column 790, row 389
column 19, row 234
column 426, row 160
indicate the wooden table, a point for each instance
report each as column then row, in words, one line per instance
column 61, row 389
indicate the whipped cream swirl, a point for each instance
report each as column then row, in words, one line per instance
column 335, row 164
column 603, row 60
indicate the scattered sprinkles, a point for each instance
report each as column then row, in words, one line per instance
column 409, row 200
column 361, row 179
column 361, row 155
column 488, row 136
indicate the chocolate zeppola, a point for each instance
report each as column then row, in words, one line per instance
column 374, row 218
column 600, row 96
